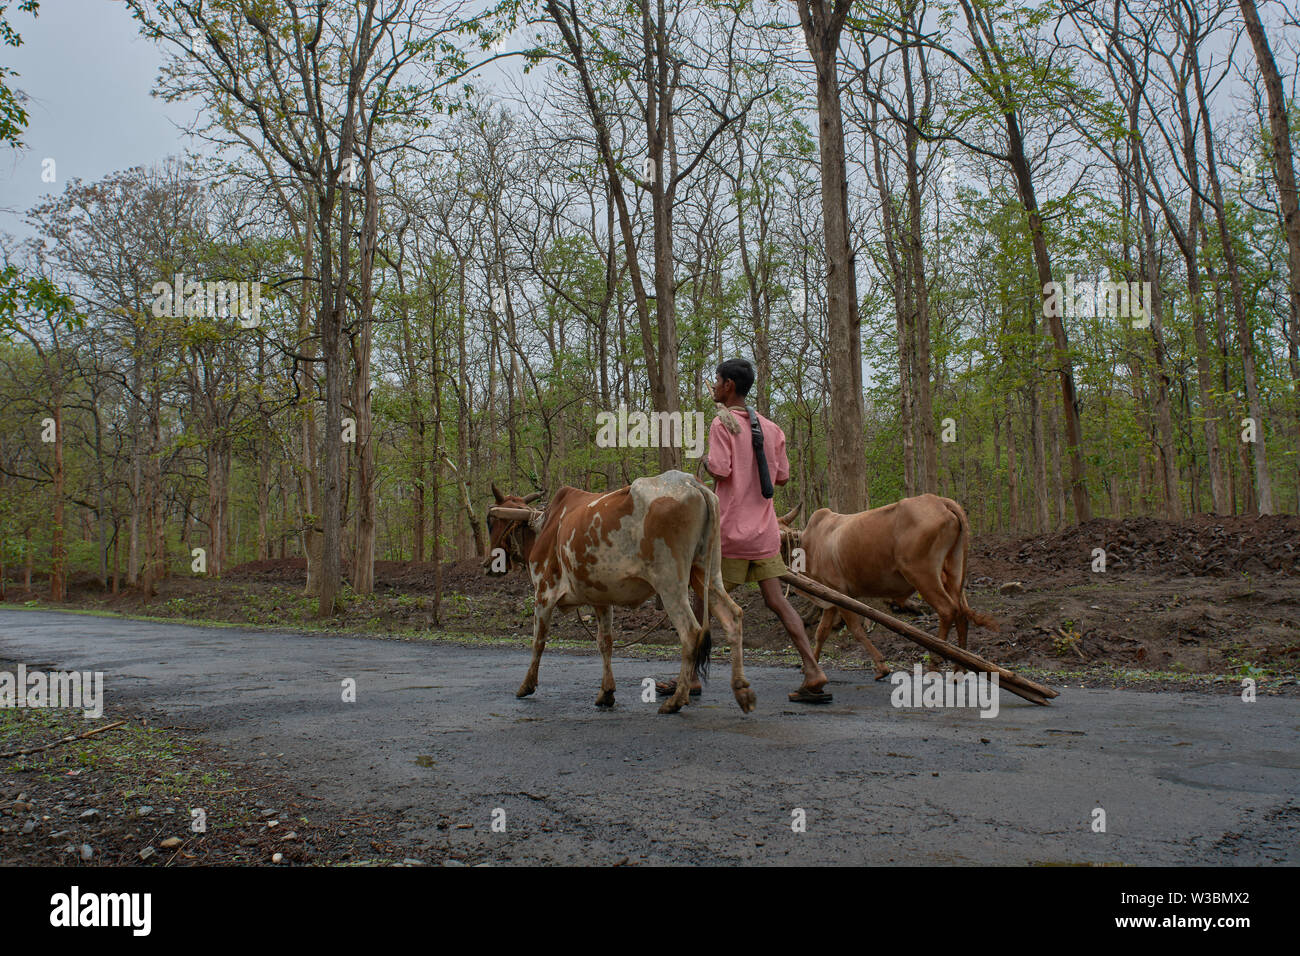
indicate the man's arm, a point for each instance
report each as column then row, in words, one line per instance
column 718, row 461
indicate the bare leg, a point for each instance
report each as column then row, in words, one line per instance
column 541, row 620
column 814, row 678
column 605, row 638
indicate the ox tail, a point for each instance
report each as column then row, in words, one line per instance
column 702, row 651
column 963, row 541
column 712, row 571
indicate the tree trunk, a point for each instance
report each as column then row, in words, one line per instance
column 1283, row 161
column 823, row 22
column 310, row 517
column 363, row 555
column 1164, row 418
column 986, row 41
column 1041, row 493
column 1189, row 242
column 57, row 554
column 331, row 321
column 1245, row 340
column 927, row 455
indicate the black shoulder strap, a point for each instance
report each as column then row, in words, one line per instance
column 764, row 477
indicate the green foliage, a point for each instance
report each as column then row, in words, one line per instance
column 13, row 116
column 23, row 294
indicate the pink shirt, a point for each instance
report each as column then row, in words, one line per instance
column 748, row 519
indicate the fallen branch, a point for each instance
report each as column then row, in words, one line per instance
column 1020, row 686
column 61, row 741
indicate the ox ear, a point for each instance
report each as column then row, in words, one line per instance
column 791, row 517
column 530, row 498
column 496, row 494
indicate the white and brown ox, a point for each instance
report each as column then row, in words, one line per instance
column 656, row 535
column 916, row 544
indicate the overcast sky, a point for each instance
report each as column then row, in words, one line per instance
column 88, row 74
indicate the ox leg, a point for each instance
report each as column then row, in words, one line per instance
column 729, row 616
column 854, row 622
column 690, row 632
column 953, row 578
column 962, row 624
column 605, row 638
column 936, row 595
column 947, row 617
column 824, row 628
column 541, row 621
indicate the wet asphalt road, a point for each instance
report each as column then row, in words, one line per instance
column 436, row 734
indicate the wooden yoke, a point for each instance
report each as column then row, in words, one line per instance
column 513, row 514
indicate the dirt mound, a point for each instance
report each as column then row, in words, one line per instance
column 1200, row 546
column 1203, row 546
column 271, row 571
column 466, row 576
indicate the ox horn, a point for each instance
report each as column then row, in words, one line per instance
column 529, row 499
column 789, row 518
column 497, row 494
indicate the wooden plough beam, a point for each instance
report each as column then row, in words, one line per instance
column 1030, row 690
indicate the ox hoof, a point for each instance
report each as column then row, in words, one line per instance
column 669, row 707
column 525, row 690
column 882, row 673
column 746, row 699
column 606, row 699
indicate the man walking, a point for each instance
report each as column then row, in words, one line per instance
column 747, row 458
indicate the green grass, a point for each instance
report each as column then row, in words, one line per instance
column 145, row 764
column 1128, row 675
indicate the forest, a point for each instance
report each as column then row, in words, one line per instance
column 1039, row 257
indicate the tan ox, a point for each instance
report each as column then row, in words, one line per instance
column 917, row 544
column 656, row 535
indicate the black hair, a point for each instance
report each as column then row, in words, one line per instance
column 738, row 370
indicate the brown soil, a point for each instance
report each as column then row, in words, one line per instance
column 1204, row 595
column 1201, row 546
column 125, row 796
column 1207, row 594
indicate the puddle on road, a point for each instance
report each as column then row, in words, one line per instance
column 424, row 760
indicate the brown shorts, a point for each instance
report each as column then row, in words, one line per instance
column 736, row 571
